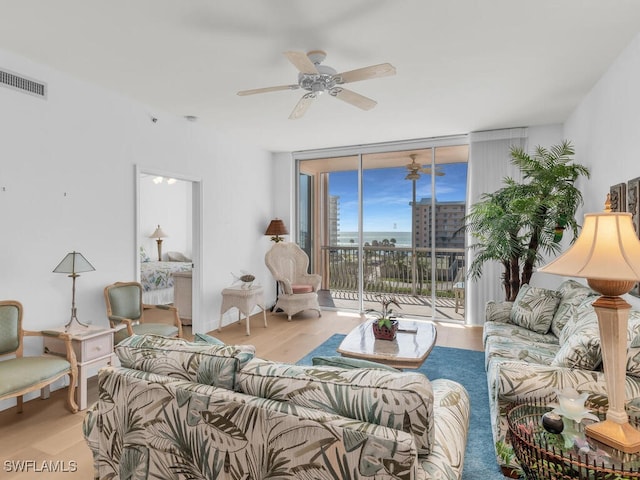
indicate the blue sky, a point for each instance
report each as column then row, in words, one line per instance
column 387, row 195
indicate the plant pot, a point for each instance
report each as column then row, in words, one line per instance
column 384, row 333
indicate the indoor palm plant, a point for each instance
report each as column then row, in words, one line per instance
column 523, row 220
column 385, row 324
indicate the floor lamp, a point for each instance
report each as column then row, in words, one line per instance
column 607, row 254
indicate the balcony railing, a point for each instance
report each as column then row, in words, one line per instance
column 394, row 270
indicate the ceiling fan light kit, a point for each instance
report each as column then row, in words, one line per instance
column 317, row 79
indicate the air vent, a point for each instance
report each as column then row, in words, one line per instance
column 23, row 84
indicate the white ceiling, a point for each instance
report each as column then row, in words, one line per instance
column 462, row 65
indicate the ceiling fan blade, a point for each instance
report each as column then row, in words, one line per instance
column 354, row 98
column 268, row 89
column 428, row 171
column 301, row 62
column 302, row 106
column 374, row 71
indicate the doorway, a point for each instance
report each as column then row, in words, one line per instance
column 168, row 241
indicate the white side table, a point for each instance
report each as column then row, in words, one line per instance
column 244, row 299
column 92, row 346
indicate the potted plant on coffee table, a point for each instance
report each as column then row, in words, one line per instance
column 385, row 324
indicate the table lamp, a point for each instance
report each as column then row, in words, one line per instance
column 158, row 234
column 73, row 263
column 275, row 229
column 607, row 254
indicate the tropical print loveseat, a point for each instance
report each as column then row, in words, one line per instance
column 544, row 342
column 181, row 410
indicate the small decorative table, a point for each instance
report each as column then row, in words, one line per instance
column 245, row 299
column 545, row 455
column 92, row 346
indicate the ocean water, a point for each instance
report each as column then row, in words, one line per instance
column 403, row 239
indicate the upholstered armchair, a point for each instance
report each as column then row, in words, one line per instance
column 288, row 264
column 126, row 313
column 23, row 374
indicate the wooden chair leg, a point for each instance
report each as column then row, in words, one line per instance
column 71, row 395
column 19, row 400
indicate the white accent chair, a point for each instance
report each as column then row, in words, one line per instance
column 298, row 290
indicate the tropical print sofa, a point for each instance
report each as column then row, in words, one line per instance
column 544, row 342
column 181, row 410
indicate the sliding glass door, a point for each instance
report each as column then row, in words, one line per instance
column 388, row 223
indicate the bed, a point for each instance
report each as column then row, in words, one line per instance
column 157, row 280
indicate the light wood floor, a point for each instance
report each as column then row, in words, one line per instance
column 47, row 432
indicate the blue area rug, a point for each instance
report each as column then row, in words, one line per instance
column 465, row 367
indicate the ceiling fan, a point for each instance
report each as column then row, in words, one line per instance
column 317, row 79
column 415, row 169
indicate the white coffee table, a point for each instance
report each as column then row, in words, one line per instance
column 412, row 345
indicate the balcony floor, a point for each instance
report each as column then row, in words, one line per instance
column 411, row 306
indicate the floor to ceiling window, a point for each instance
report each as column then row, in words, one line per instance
column 388, row 222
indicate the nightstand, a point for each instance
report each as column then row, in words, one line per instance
column 93, row 348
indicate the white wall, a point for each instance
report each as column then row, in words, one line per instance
column 604, row 129
column 67, row 182
column 167, row 205
column 544, row 136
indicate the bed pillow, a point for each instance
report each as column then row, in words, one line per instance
column 534, row 308
column 177, row 257
column 144, row 258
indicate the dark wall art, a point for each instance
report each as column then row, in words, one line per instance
column 618, row 197
column 633, row 207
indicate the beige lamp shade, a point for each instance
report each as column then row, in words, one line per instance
column 158, row 233
column 73, row 263
column 607, row 249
